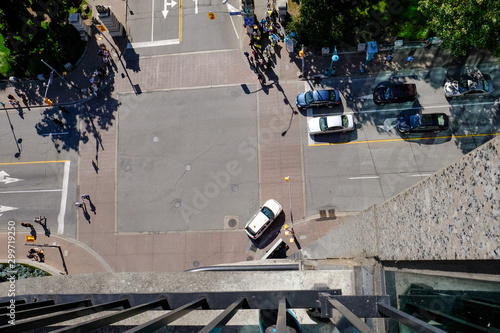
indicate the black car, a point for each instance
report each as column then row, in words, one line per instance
column 394, row 93
column 433, row 122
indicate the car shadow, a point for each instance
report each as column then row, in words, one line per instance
column 271, row 233
column 337, row 138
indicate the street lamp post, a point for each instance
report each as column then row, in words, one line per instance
column 287, row 178
column 331, row 71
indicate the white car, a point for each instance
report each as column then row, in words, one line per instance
column 471, row 83
column 263, row 218
column 330, row 124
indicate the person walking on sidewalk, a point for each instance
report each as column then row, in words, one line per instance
column 409, row 60
column 85, row 196
column 41, row 220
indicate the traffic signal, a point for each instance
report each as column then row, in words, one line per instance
column 301, row 54
column 48, row 101
column 211, row 16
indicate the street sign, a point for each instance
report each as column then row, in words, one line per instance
column 234, row 13
column 211, row 16
column 30, row 239
column 248, row 20
column 101, row 28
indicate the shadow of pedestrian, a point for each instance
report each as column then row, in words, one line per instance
column 297, row 243
column 33, row 232
column 92, row 207
column 46, row 231
column 86, row 214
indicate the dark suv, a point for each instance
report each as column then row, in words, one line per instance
column 394, row 93
column 433, row 122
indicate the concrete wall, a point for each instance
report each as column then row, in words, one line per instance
column 453, row 214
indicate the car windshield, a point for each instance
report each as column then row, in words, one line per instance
column 333, row 95
column 309, row 97
column 387, row 93
column 269, row 213
column 322, row 124
column 345, row 121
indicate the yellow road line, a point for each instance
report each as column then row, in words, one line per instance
column 35, row 162
column 180, row 21
column 400, row 139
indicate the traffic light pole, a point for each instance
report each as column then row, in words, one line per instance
column 62, row 77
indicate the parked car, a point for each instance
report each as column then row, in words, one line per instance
column 330, row 124
column 394, row 93
column 316, row 98
column 263, row 218
column 471, row 83
column 433, row 122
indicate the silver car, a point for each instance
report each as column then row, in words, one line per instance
column 472, row 83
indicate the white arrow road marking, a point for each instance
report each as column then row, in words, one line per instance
column 4, row 178
column 6, row 208
column 195, row 6
column 165, row 4
column 389, row 124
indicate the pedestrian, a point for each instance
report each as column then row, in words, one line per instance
column 389, row 58
column 105, row 60
column 19, row 92
column 254, row 52
column 269, row 63
column 79, row 204
column 251, row 59
column 12, row 99
column 409, row 60
column 41, row 256
column 41, row 220
column 27, row 225
column 100, row 53
column 105, row 53
column 85, row 196
column 246, row 54
column 33, row 254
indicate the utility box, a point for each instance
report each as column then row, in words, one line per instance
column 282, row 7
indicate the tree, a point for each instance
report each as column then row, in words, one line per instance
column 320, row 22
column 464, row 23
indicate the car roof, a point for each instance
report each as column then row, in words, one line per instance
column 322, row 95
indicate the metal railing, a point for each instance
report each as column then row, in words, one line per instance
column 39, row 311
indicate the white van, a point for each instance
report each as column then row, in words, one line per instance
column 264, row 217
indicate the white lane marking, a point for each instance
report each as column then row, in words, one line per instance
column 421, row 175
column 4, row 178
column 195, row 6
column 6, row 208
column 232, row 22
column 365, row 177
column 31, row 191
column 64, row 198
column 152, row 18
column 153, row 43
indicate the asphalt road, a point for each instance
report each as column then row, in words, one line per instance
column 355, row 170
column 36, row 179
column 186, row 27
column 186, row 162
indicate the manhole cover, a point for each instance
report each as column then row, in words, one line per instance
column 177, row 204
column 232, row 223
column 249, row 258
column 156, row 139
column 188, row 167
column 235, row 188
column 196, row 264
column 128, row 168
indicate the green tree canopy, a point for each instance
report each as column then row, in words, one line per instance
column 464, row 23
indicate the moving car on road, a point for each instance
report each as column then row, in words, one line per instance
column 433, row 122
column 264, row 217
column 330, row 124
column 316, row 98
column 394, row 93
column 472, row 83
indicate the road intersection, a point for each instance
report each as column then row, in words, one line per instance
column 182, row 147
